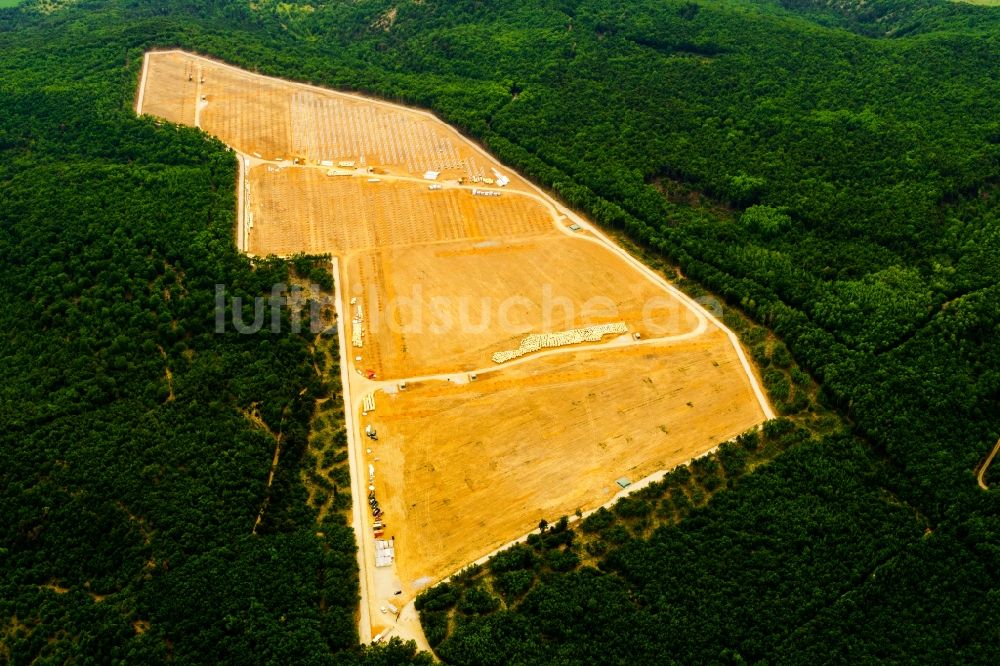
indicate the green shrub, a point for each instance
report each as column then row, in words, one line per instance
column 597, row 521
column 478, row 601
column 750, row 440
column 617, row 534
column 765, row 220
column 438, row 598
column 435, row 626
column 780, row 355
column 630, row 507
column 513, row 584
column 514, row 558
column 597, row 548
column 562, row 560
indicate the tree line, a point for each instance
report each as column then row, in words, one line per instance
column 830, row 171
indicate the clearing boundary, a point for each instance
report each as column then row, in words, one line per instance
column 317, row 122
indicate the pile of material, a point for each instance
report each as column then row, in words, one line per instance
column 385, row 552
column 537, row 341
column 357, row 334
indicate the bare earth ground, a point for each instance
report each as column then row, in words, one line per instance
column 304, row 210
column 169, row 93
column 444, row 308
column 462, row 466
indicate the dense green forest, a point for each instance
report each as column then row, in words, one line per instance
column 831, row 169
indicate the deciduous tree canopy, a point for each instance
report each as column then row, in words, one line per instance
column 830, row 169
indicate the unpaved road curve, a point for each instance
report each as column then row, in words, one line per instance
column 981, row 475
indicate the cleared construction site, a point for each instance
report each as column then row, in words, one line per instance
column 503, row 361
column 488, row 459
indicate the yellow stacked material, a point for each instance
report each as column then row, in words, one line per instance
column 537, row 341
column 356, row 334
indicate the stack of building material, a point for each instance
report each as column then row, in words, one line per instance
column 385, row 552
column 537, row 341
column 357, row 334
